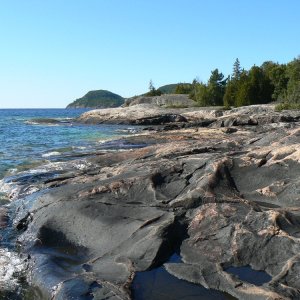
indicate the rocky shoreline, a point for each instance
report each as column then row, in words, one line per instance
column 218, row 188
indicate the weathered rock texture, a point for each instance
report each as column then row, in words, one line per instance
column 166, row 100
column 152, row 114
column 219, row 197
column 141, row 114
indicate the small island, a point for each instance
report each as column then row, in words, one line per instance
column 97, row 99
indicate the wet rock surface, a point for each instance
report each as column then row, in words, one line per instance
column 221, row 199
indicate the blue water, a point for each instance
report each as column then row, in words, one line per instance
column 250, row 275
column 25, row 144
column 158, row 284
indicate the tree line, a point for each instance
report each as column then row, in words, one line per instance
column 260, row 85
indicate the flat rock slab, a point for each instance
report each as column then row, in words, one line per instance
column 141, row 114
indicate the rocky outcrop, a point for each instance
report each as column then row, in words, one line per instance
column 148, row 114
column 220, row 197
column 165, row 100
column 135, row 114
column 255, row 115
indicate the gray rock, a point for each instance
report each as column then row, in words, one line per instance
column 220, row 200
column 172, row 100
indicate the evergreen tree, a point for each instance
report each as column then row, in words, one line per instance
column 230, row 93
column 202, row 94
column 253, row 87
column 193, row 89
column 237, row 71
column 152, row 91
column 278, row 77
column 232, row 88
column 293, row 86
column 212, row 93
column 243, row 90
column 280, row 81
column 261, row 87
column 183, row 88
column 151, row 86
column 216, row 87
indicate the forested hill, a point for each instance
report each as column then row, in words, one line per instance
column 173, row 88
column 168, row 89
column 97, row 99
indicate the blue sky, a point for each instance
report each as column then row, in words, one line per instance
column 54, row 51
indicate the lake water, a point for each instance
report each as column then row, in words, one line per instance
column 26, row 144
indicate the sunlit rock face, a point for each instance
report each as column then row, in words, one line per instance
column 222, row 200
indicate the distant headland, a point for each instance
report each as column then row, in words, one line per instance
column 97, row 99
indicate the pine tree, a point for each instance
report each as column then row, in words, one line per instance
column 237, row 71
column 216, row 87
column 152, row 91
column 293, row 86
column 230, row 94
column 212, row 93
column 151, row 86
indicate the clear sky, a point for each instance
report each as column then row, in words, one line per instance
column 54, row 51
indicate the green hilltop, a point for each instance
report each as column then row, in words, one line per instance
column 171, row 88
column 97, row 99
column 168, row 88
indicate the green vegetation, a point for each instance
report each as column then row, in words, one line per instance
column 212, row 93
column 152, row 90
column 183, row 88
column 259, row 85
column 98, row 99
column 252, row 87
column 285, row 106
column 176, row 88
column 168, row 88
